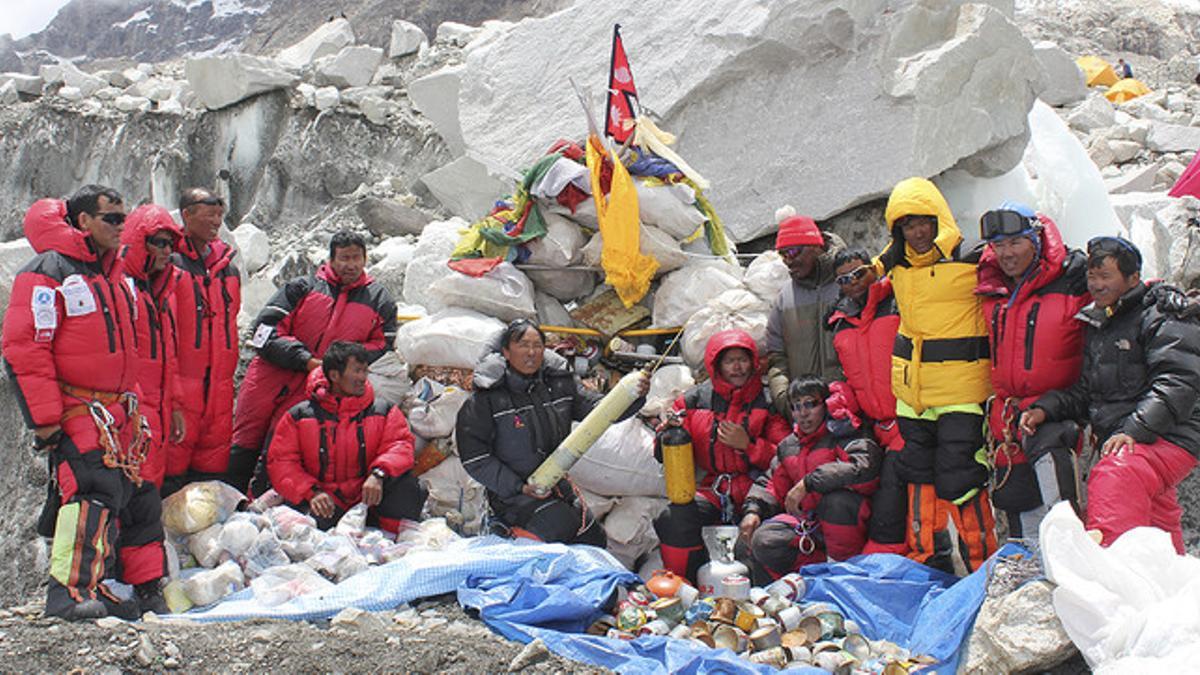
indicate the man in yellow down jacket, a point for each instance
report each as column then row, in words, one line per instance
column 940, row 375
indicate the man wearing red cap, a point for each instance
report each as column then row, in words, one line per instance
column 796, row 343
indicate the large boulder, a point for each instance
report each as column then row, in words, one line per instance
column 436, row 97
column 388, row 217
column 939, row 84
column 1018, row 633
column 1165, row 137
column 222, row 80
column 1094, row 113
column 466, row 187
column 86, row 83
column 407, row 38
column 25, row 84
column 254, row 247
column 1063, row 83
column 351, row 67
column 1162, row 227
column 326, row 40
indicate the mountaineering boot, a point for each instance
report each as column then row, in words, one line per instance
column 129, row 610
column 60, row 603
column 150, row 597
column 976, row 527
column 927, row 516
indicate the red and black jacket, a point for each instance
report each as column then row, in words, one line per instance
column 824, row 462
column 154, row 326
column 332, row 443
column 297, row 324
column 864, row 335
column 208, row 298
column 69, row 322
column 716, row 400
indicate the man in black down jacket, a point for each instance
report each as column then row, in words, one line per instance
column 1139, row 389
column 524, row 401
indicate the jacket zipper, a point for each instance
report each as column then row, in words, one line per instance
column 1030, row 328
column 155, row 332
column 228, row 301
column 200, row 302
column 108, row 320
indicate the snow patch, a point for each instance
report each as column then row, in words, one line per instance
column 224, row 8
column 143, row 15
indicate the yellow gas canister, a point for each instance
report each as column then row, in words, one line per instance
column 679, row 469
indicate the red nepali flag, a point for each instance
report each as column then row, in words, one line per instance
column 622, row 95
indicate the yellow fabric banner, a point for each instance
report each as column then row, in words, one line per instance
column 625, row 268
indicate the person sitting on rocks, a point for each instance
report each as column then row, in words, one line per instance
column 340, row 302
column 821, row 482
column 342, row 447
column 1139, row 389
column 522, row 406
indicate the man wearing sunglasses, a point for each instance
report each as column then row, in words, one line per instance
column 69, row 346
column 208, row 297
column 864, row 324
column 939, row 376
column 796, row 343
column 1032, row 286
column 1139, row 388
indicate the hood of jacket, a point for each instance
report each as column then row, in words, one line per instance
column 145, row 221
column 220, row 254
column 491, row 370
column 1048, row 267
column 47, row 229
column 858, row 311
column 919, row 197
column 326, row 273
column 717, row 344
column 318, row 390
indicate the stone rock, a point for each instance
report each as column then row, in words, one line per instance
column 389, row 218
column 1095, row 112
column 1147, row 110
column 25, row 84
column 254, row 247
column 132, row 103
column 74, row 77
column 377, row 109
column 170, row 106
column 1101, row 152
column 352, row 617
column 225, row 79
column 957, row 72
column 51, row 73
column 436, row 96
column 8, row 93
column 1123, row 151
column 1171, row 171
column 256, row 292
column 1172, row 137
column 327, row 40
column 466, row 187
column 156, row 89
column 534, row 651
column 114, row 78
column 1137, row 130
column 455, row 33
column 1064, row 81
column 70, row 94
column 389, row 74
column 326, row 98
column 107, row 93
column 1018, row 632
column 1140, row 179
column 355, row 95
column 133, row 75
column 353, row 66
column 407, row 38
column 13, row 256
column 307, row 93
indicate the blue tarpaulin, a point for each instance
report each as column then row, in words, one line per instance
column 526, row 590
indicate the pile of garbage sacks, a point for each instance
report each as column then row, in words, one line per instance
column 214, row 549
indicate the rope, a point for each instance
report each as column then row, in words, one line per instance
column 1007, row 446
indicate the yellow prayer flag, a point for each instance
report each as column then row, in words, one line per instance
column 625, row 268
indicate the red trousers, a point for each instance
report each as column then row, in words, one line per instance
column 1136, row 489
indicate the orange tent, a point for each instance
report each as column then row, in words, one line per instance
column 1096, row 71
column 1126, row 89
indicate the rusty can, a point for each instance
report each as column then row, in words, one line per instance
column 790, row 586
column 747, row 616
column 602, row 625
column 766, row 637
column 774, row 656
column 655, row 627
column 724, row 610
column 701, row 632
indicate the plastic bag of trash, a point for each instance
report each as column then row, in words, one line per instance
column 374, row 544
column 266, row 552
column 199, row 505
column 205, row 546
column 630, row 527
column 302, row 542
column 652, row 242
column 420, row 275
column 277, row 585
column 236, row 536
column 285, row 520
column 766, row 276
column 550, row 312
column 353, row 522
column 210, row 586
column 667, row 384
column 457, row 338
column 736, row 308
column 504, row 292
column 621, row 462
column 454, row 496
column 337, row 558
column 432, row 534
column 433, row 408
column 389, row 378
column 670, row 208
column 564, row 284
column 684, row 291
column 560, row 245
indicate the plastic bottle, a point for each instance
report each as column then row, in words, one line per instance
column 679, row 468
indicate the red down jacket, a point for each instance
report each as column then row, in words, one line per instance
column 299, row 323
column 208, row 298
column 863, row 338
column 154, row 326
column 69, row 321
column 332, row 443
column 709, row 403
column 825, row 463
column 1036, row 342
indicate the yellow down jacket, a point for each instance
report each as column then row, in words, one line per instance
column 941, row 355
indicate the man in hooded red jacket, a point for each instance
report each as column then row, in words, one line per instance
column 341, row 447
column 734, row 433
column 208, row 297
column 69, row 346
column 149, row 237
column 1032, row 287
column 341, row 302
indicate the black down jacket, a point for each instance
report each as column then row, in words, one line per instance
column 1141, row 371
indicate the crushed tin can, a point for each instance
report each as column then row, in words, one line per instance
column 700, row 610
column 747, row 616
column 789, row 586
column 774, row 656
column 631, row 618
column 618, row 634
column 724, row 610
column 701, row 632
column 736, row 586
column 668, row 609
column 765, row 638
column 655, row 627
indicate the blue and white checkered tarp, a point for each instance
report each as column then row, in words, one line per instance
column 526, row 590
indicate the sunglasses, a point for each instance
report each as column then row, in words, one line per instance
column 1004, row 223
column 207, row 201
column 1106, row 244
column 792, row 251
column 853, row 275
column 160, row 242
column 112, row 218
column 807, row 405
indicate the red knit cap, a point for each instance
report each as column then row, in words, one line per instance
column 798, row 231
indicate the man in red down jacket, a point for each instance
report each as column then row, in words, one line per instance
column 292, row 332
column 864, row 323
column 821, row 482
column 1032, row 287
column 149, row 237
column 341, row 447
column 208, row 297
column 69, row 346
column 734, row 434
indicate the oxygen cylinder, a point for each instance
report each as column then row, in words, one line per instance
column 617, row 401
column 679, row 468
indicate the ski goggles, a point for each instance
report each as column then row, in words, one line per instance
column 1106, row 244
column 806, row 405
column 114, row 218
column 1002, row 223
column 207, row 201
column 161, row 241
column 853, row 275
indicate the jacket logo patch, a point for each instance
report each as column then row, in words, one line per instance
column 261, row 335
column 518, row 423
column 1124, row 345
column 45, row 316
column 77, row 296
